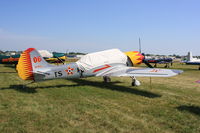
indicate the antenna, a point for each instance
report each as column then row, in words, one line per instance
column 140, row 49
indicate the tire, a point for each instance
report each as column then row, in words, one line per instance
column 107, row 79
column 133, row 83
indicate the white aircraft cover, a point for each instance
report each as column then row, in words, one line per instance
column 93, row 60
column 45, row 53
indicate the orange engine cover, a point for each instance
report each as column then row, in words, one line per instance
column 135, row 57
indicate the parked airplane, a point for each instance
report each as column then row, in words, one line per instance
column 113, row 62
column 166, row 61
column 192, row 61
column 154, row 61
column 13, row 59
column 51, row 58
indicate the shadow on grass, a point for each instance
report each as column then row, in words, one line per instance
column 7, row 72
column 112, row 86
column 10, row 65
column 21, row 88
column 191, row 109
column 81, row 82
column 27, row 89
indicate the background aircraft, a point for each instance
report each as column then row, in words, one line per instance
column 192, row 61
column 53, row 57
column 49, row 57
column 167, row 61
column 13, row 59
column 147, row 61
column 113, row 62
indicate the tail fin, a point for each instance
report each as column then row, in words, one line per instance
column 190, row 56
column 29, row 61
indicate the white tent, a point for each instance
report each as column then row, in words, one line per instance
column 92, row 60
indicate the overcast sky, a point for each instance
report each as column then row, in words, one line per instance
column 164, row 26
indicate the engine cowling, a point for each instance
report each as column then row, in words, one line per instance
column 134, row 58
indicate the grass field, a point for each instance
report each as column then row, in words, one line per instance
column 89, row 105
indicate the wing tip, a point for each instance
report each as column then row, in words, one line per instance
column 177, row 71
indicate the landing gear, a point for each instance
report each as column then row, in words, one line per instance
column 135, row 82
column 106, row 79
column 80, row 71
column 199, row 67
column 167, row 65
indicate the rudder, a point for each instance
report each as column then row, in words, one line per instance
column 29, row 61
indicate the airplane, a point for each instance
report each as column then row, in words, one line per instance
column 192, row 61
column 51, row 58
column 13, row 59
column 106, row 64
column 147, row 61
column 166, row 61
column 56, row 59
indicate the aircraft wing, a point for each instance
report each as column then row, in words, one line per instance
column 119, row 71
column 192, row 63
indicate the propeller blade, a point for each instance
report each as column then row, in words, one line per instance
column 146, row 62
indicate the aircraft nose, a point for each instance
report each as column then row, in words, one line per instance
column 140, row 58
column 135, row 57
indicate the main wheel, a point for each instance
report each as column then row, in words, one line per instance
column 133, row 84
column 107, row 79
column 136, row 83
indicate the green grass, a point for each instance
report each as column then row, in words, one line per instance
column 89, row 105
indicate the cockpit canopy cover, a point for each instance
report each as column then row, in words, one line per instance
column 93, row 60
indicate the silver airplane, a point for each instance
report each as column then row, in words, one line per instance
column 191, row 60
column 106, row 64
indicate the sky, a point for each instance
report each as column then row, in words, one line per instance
column 164, row 26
